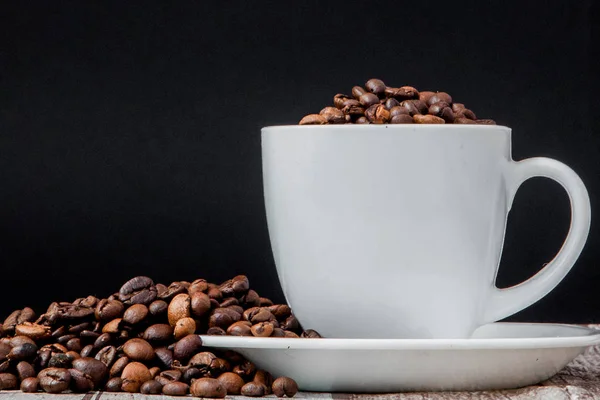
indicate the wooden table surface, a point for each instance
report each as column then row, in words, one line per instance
column 580, row 380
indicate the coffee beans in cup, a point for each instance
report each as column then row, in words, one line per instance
column 377, row 103
column 144, row 339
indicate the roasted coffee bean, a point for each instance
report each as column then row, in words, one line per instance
column 199, row 285
column 485, row 122
column 402, row 93
column 87, row 351
column 262, row 329
column 425, row 96
column 443, row 111
column 17, row 317
column 151, row 387
column 5, row 366
column 54, row 380
column 254, row 389
column 154, row 371
column 338, row 100
column 313, row 119
column 278, row 332
column 391, row 103
column 265, row 378
column 97, row 370
column 171, row 375
column 165, row 356
column 190, row 374
column 158, row 333
column 184, row 327
column 4, row 350
column 19, row 340
column 114, row 384
column 375, row 86
column 158, row 307
column 414, row 107
column 240, row 328
column 208, row 387
column 465, row 113
column 24, row 351
column 245, row 370
column 232, row 382
column 215, row 293
column 173, row 290
column 258, row 314
column 103, row 340
column 135, row 314
column 25, row 370
column 362, row 120
column 55, row 348
column 351, row 107
column 264, row 302
column 176, row 389
column 138, row 350
column 107, row 310
column 73, row 354
column 456, row 107
column 427, row 119
column 8, row 381
column 32, row 330
column 107, row 355
column 218, row 367
column 202, row 360
column 377, row 114
column 398, row 110
column 114, row 326
column 89, row 301
column 290, row 324
column 368, row 99
column 180, row 307
column 187, row 347
column 284, row 386
column 333, row 116
column 439, row 96
column 89, row 335
column 401, row 119
column 134, row 375
column 28, row 385
column 216, row 331
column 139, row 290
column 461, row 120
column 231, row 301
column 358, row 91
column 223, row 317
column 65, row 338
column 58, row 332
column 78, row 328
column 118, row 367
column 310, row 333
column 60, row 360
column 80, row 382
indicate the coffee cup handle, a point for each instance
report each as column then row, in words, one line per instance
column 505, row 302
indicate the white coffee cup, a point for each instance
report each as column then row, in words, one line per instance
column 396, row 231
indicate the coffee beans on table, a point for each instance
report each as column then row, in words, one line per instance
column 144, row 338
column 377, row 103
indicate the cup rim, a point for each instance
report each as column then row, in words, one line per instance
column 405, row 127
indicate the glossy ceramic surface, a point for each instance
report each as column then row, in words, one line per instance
column 396, row 231
column 499, row 356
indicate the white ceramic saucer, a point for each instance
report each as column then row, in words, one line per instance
column 499, row 356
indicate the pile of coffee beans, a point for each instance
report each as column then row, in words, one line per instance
column 377, row 103
column 144, row 338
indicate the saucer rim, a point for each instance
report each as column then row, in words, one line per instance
column 589, row 337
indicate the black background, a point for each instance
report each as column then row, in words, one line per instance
column 130, row 134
